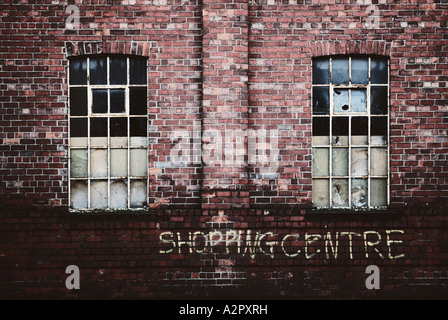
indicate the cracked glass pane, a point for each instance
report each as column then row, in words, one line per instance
column 341, row 100
column 378, row 161
column 359, row 162
column 118, row 194
column 119, row 162
column 78, row 195
column 78, row 163
column 359, row 100
column 321, row 162
column 98, row 163
column 359, row 192
column 340, row 192
column 321, row 196
column 98, row 194
column 138, row 194
column 340, row 162
column 378, row 192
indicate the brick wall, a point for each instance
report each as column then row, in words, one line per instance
column 222, row 73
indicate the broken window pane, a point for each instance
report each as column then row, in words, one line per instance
column 78, row 195
column 98, row 194
column 340, row 162
column 321, row 197
column 98, row 71
column 378, row 100
column 138, row 101
column 378, row 192
column 98, row 127
column 321, row 71
column 321, row 162
column 98, row 163
column 138, row 71
column 118, row 127
column 340, row 71
column 360, row 71
column 118, row 70
column 341, row 100
column 139, row 162
column 78, row 128
column 358, row 100
column 340, row 131
column 118, row 195
column 119, row 162
column 78, row 101
column 360, row 130
column 378, row 161
column 78, row 163
column 78, row 71
column 138, row 194
column 378, row 130
column 378, row 71
column 340, row 192
column 321, row 100
column 359, row 162
column 359, row 192
column 117, row 97
column 99, row 98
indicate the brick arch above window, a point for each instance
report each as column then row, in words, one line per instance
column 368, row 47
column 81, row 48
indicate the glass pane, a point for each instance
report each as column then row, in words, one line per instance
column 321, row 197
column 98, row 71
column 360, row 130
column 359, row 100
column 340, row 71
column 378, row 100
column 321, row 161
column 340, row 161
column 118, row 71
column 78, row 142
column 98, row 142
column 119, row 162
column 118, row 194
column 138, row 194
column 78, row 101
column 360, row 71
column 98, row 195
column 341, row 100
column 98, row 127
column 378, row 161
column 78, row 128
column 78, row 163
column 321, row 71
column 117, row 101
column 138, row 100
column 378, row 126
column 321, row 100
column 378, row 192
column 99, row 104
column 359, row 193
column 378, row 71
column 139, row 141
column 78, row 72
column 118, row 127
column 340, row 131
column 98, row 163
column 321, row 126
column 78, row 195
column 340, row 192
column 139, row 162
column 139, row 127
column 359, row 164
column 138, row 71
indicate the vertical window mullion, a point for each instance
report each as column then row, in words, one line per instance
column 369, row 125
column 128, row 107
column 89, row 114
column 330, row 151
column 108, row 134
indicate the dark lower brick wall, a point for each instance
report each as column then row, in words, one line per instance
column 183, row 254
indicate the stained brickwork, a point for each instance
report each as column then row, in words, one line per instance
column 230, row 155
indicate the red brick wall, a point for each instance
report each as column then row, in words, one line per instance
column 219, row 72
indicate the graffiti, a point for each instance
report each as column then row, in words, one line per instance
column 327, row 246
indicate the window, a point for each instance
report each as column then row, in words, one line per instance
column 108, row 133
column 350, row 148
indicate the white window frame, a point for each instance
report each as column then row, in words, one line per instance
column 129, row 145
column 350, row 114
